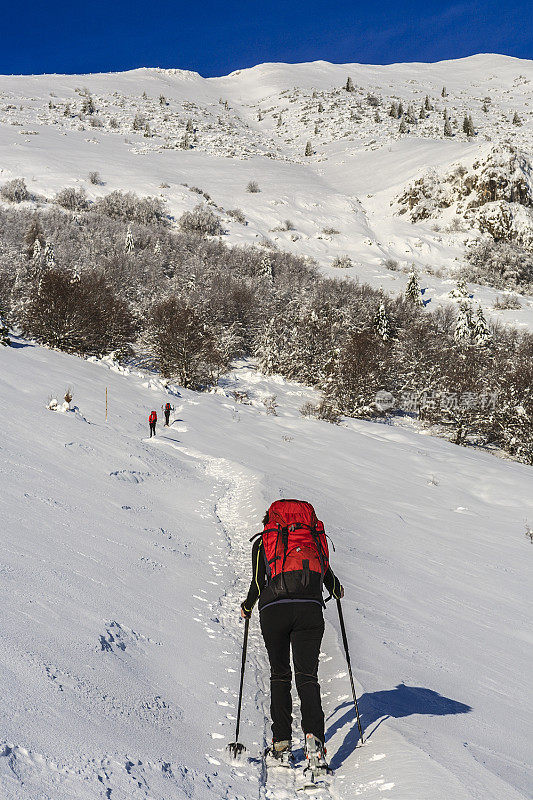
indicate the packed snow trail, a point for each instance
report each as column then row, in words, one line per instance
column 124, row 561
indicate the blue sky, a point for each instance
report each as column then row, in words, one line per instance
column 216, row 37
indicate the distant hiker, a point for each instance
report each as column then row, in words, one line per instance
column 290, row 565
column 167, row 409
column 152, row 419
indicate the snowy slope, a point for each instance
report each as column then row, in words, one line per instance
column 124, row 560
column 254, row 125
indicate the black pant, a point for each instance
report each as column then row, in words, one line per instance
column 300, row 626
column 152, row 429
column 167, row 417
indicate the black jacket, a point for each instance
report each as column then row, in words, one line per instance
column 268, row 594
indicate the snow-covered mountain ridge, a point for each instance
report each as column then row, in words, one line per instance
column 153, row 131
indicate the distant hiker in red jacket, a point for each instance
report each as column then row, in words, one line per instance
column 167, row 409
column 290, row 564
column 152, row 419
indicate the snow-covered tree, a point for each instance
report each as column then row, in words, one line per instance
column 481, row 334
column 308, row 149
column 444, row 92
column 400, row 109
column 189, row 126
column 468, row 126
column 422, row 114
column 320, row 108
column 349, row 85
column 5, row 341
column 403, row 126
column 448, row 128
column 129, row 244
column 49, row 256
column 516, row 119
column 427, row 104
column 412, row 290
column 393, row 112
column 383, row 323
column 460, row 292
column 464, row 324
column 265, row 269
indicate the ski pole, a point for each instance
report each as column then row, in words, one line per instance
column 236, row 747
column 345, row 643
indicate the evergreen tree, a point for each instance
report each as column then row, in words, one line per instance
column 189, row 127
column 427, row 104
column 316, row 129
column 377, row 117
column 448, row 128
column 444, row 93
column 33, row 234
column 265, row 270
column 279, row 120
column 461, row 290
column 49, row 256
column 422, row 114
column 412, row 290
column 481, row 334
column 464, row 324
column 393, row 112
column 88, row 107
column 308, row 149
column 349, row 85
column 320, row 108
column 162, row 100
column 516, row 119
column 129, row 244
column 382, row 323
column 400, row 109
column 485, row 108
column 5, row 341
column 403, row 126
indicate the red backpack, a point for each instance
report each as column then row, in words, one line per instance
column 296, row 549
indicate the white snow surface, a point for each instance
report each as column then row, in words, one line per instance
column 359, row 168
column 124, row 560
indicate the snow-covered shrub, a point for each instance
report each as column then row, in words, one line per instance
column 507, row 302
column 330, row 231
column 342, row 262
column 201, row 220
column 322, row 410
column 504, row 265
column 238, row 215
column 127, row 206
column 95, row 179
column 271, row 404
column 72, row 199
column 391, row 263
column 15, row 191
column 252, row 187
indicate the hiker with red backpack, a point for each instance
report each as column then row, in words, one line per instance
column 152, row 419
column 167, row 409
column 290, row 564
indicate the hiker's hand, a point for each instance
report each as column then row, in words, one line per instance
column 245, row 614
column 342, row 592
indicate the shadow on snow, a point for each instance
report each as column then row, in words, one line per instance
column 373, row 706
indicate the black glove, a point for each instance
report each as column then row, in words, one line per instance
column 247, row 614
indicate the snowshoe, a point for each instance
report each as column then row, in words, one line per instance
column 317, row 767
column 279, row 754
